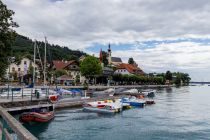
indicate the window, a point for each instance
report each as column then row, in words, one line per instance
column 13, row 69
column 25, row 62
column 19, row 69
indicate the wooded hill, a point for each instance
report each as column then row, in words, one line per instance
column 24, row 47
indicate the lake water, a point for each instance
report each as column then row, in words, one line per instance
column 179, row 113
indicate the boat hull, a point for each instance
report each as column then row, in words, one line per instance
column 100, row 110
column 36, row 117
column 136, row 104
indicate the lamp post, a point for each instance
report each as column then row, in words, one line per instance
column 10, row 60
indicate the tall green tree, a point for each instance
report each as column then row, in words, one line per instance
column 104, row 58
column 7, row 36
column 168, row 76
column 59, row 73
column 90, row 67
column 131, row 61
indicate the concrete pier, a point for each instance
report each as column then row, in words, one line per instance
column 15, row 125
column 100, row 86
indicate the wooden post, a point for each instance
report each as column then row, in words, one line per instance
column 1, row 130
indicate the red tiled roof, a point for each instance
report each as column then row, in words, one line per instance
column 61, row 64
column 130, row 68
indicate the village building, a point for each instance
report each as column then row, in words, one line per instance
column 129, row 69
column 82, row 58
column 71, row 67
column 21, row 69
column 114, row 61
column 65, row 80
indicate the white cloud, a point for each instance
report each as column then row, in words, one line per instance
column 80, row 23
column 185, row 56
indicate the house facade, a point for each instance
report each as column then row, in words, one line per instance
column 22, row 68
column 71, row 67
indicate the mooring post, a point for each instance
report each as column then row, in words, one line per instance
column 8, row 92
column 12, row 95
column 22, row 92
column 46, row 91
column 31, row 94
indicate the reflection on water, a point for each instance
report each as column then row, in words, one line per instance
column 179, row 113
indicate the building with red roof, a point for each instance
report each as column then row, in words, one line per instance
column 71, row 67
column 129, row 69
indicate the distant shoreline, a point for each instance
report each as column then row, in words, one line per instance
column 100, row 86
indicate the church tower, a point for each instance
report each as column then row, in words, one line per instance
column 109, row 55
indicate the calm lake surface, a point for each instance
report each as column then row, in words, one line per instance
column 179, row 113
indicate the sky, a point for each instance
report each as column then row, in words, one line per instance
column 160, row 35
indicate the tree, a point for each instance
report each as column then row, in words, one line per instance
column 178, row 79
column 90, row 67
column 77, row 80
column 59, row 73
column 104, row 58
column 168, row 76
column 131, row 61
column 30, row 69
column 7, row 36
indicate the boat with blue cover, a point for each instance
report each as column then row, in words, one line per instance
column 133, row 101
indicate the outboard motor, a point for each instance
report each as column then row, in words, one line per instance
column 151, row 94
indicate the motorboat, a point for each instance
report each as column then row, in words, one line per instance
column 108, row 92
column 107, row 106
column 133, row 101
column 36, row 117
column 64, row 92
column 121, row 91
column 124, row 105
column 148, row 93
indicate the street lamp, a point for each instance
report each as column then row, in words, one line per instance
column 10, row 60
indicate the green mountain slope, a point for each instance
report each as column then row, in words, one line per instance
column 23, row 47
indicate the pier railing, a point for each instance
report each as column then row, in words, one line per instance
column 10, row 123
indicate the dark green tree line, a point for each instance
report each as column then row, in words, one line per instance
column 7, row 36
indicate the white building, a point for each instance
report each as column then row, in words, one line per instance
column 22, row 68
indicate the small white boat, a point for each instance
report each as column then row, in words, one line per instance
column 128, row 91
column 107, row 106
column 64, row 92
column 108, row 92
column 148, row 93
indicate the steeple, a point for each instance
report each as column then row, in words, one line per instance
column 109, row 54
column 101, row 56
column 109, row 48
